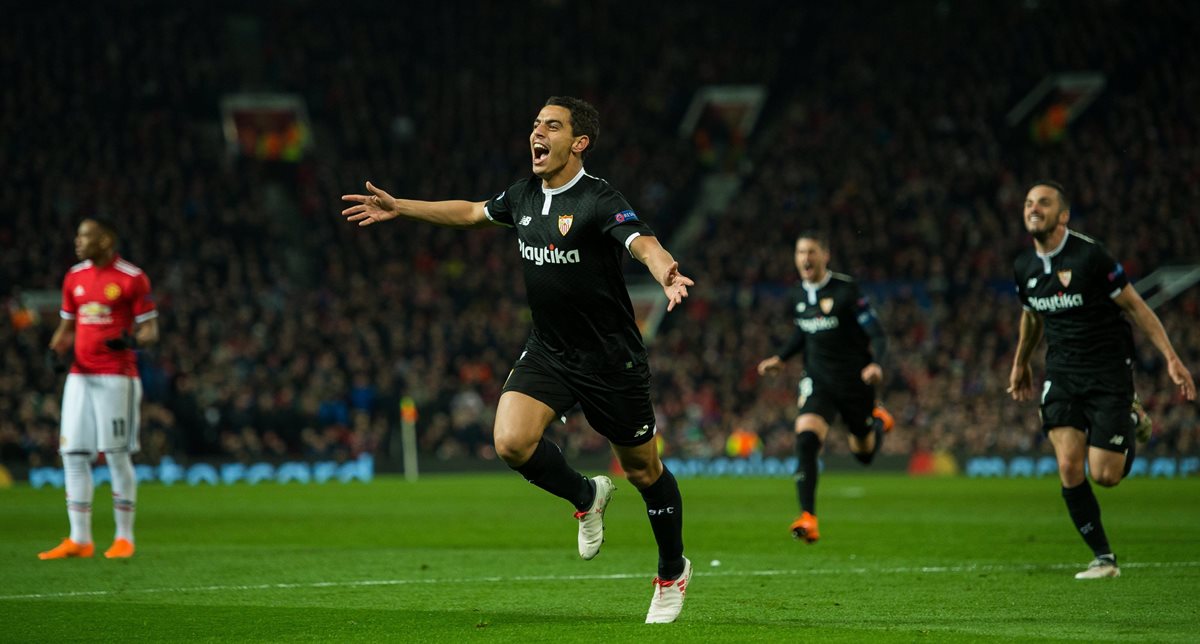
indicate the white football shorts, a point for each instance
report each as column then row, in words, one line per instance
column 100, row 413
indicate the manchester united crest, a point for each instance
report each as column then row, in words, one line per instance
column 564, row 223
column 826, row 305
column 1064, row 276
column 112, row 291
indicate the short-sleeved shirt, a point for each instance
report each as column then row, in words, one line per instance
column 572, row 240
column 829, row 317
column 1072, row 288
column 105, row 301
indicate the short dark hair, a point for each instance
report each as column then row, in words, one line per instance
column 819, row 237
column 1050, row 183
column 585, row 120
column 106, row 226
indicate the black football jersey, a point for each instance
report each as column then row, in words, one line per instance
column 829, row 318
column 1072, row 288
column 572, row 240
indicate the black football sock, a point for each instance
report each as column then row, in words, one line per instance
column 807, row 448
column 664, row 505
column 866, row 457
column 1085, row 513
column 548, row 469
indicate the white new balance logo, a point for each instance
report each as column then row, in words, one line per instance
column 1117, row 440
column 525, row 220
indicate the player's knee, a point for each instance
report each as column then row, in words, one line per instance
column 811, row 427
column 1070, row 467
column 643, row 475
column 80, row 464
column 641, row 479
column 1107, row 477
column 1070, row 472
column 118, row 459
column 513, row 450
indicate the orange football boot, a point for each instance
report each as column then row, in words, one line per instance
column 120, row 549
column 68, row 549
column 884, row 416
column 806, row 528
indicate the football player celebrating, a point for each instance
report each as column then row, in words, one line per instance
column 1075, row 292
column 572, row 231
column 843, row 345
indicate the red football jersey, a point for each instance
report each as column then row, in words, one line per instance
column 105, row 301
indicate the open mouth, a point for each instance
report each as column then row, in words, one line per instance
column 540, row 152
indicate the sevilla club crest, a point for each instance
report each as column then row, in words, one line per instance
column 564, row 223
column 826, row 304
column 1064, row 276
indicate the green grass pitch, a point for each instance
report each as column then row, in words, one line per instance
column 489, row 557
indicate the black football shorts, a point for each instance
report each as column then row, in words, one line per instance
column 616, row 404
column 854, row 401
column 1098, row 403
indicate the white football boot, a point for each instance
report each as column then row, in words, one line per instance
column 1101, row 567
column 668, row 596
column 591, row 521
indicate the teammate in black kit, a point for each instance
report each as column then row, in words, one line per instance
column 1071, row 288
column 843, row 344
column 573, row 230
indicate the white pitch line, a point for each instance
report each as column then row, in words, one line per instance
column 521, row 578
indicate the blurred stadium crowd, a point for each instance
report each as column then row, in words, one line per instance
column 287, row 332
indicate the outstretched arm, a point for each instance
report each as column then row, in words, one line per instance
column 378, row 206
column 1135, row 307
column 663, row 267
column 1020, row 381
